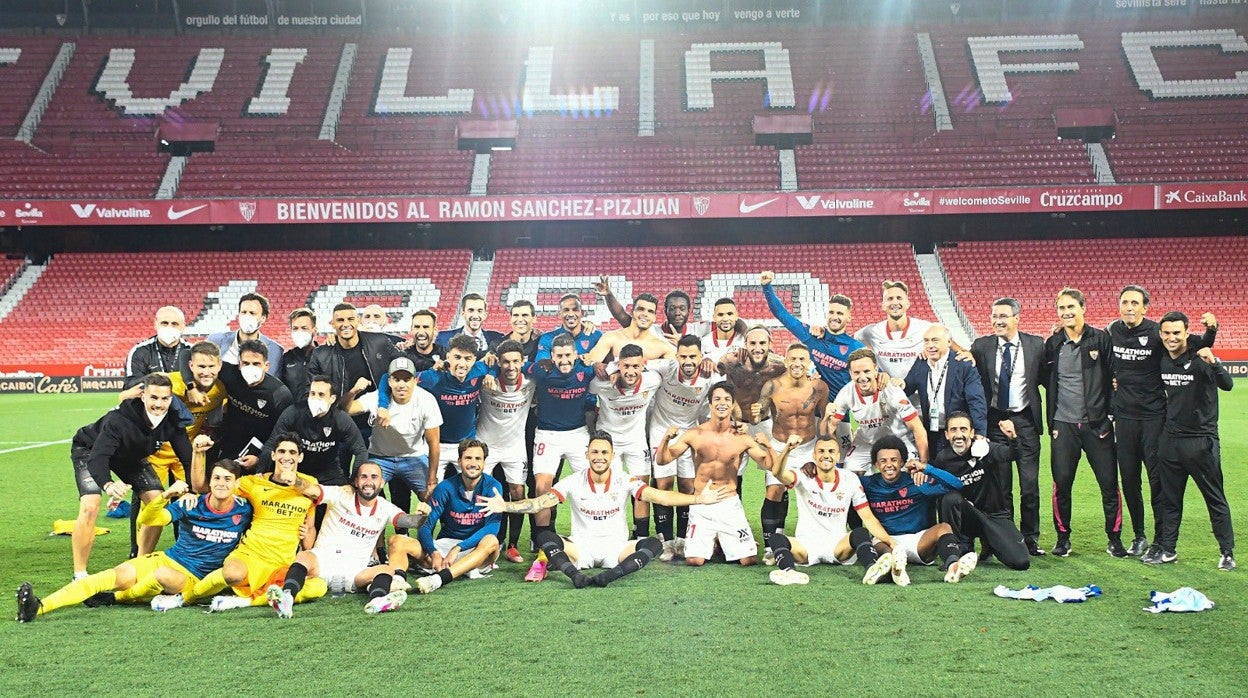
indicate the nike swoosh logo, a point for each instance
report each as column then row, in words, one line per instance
column 175, row 215
column 750, row 208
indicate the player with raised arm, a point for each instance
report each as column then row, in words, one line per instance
column 357, row 515
column 877, row 411
column 794, row 401
column 211, row 526
column 599, row 529
column 653, row 346
column 622, row 403
column 717, row 450
column 823, row 502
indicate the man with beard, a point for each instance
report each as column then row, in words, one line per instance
column 599, row 531
column 824, row 498
column 979, row 508
column 645, row 306
column 472, row 314
column 794, row 401
column 522, row 330
column 420, row 347
column 571, row 318
column 727, row 330
column 623, row 400
column 373, row 318
column 878, row 412
column 506, row 401
column 357, row 516
column 718, row 451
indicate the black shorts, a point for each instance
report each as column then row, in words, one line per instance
column 141, row 477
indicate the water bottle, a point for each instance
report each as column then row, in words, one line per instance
column 113, row 503
column 338, row 586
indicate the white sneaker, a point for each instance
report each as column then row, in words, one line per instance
column 900, row 577
column 165, row 602
column 769, row 557
column 882, row 566
column 228, row 603
column 399, row 584
column 383, row 604
column 964, row 566
column 479, row 572
column 429, row 584
column 787, row 577
column 281, row 600
column 669, row 551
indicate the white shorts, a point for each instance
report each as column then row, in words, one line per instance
column 798, row 457
column 909, row 542
column 598, row 552
column 551, row 447
column 444, row 545
column 338, row 563
column 633, row 459
column 514, row 460
column 822, row 549
column 724, row 522
column 763, row 427
column 858, row 460
column 681, row 467
column 447, row 453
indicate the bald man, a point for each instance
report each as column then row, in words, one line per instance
column 939, row 385
column 158, row 353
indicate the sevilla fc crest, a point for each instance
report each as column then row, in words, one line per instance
column 1093, row 354
column 1143, row 341
column 580, row 375
column 902, row 492
column 327, row 430
column 701, row 204
column 237, row 518
column 247, row 209
column 261, row 403
column 844, row 350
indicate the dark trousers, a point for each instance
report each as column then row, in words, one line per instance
column 1065, row 448
column 1136, row 443
column 1026, row 452
column 1201, row 459
column 936, row 442
column 996, row 530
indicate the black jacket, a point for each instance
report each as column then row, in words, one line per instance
column 294, row 368
column 123, row 438
column 984, row 350
column 327, row 360
column 150, row 356
column 1096, row 352
column 320, row 437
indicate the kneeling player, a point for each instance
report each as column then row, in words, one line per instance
column 354, row 519
column 468, row 537
column 901, row 495
column 599, row 529
column 823, row 501
column 210, row 528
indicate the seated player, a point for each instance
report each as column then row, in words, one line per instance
column 281, row 523
column 823, row 501
column 599, row 529
column 467, row 540
column 356, row 517
column 211, row 526
column 901, row 495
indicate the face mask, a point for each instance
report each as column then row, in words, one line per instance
column 317, row 406
column 979, row 448
column 300, row 338
column 154, row 419
column 248, row 324
column 252, row 374
column 370, row 327
column 168, row 336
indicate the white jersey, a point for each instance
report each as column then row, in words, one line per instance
column 885, row 412
column 678, row 402
column 622, row 412
column 714, row 349
column 405, row 437
column 823, row 507
column 895, row 351
column 598, row 511
column 504, row 412
column 350, row 528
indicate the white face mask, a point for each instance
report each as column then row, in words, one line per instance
column 154, row 419
column 252, row 374
column 248, row 323
column 168, row 336
column 317, row 406
column 979, row 449
column 371, row 327
column 300, row 338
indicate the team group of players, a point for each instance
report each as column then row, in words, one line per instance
column 270, row 464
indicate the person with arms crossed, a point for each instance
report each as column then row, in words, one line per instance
column 599, row 529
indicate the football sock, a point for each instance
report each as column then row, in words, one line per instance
column 783, row 550
column 647, row 550
column 860, row 541
column 769, row 517
column 782, row 511
column 682, row 521
column 446, row 576
column 641, row 527
column 552, row 545
column 295, row 577
column 516, row 522
column 947, row 549
column 206, row 587
column 401, row 574
column 79, row 590
column 142, row 589
column 380, row 586
column 663, row 521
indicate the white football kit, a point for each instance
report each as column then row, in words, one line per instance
column 884, row 412
column 349, row 533
column 895, row 352
column 599, row 523
column 500, row 424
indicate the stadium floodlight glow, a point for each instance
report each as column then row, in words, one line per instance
column 504, row 148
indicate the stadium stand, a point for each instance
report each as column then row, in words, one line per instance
column 101, row 303
column 1194, row 275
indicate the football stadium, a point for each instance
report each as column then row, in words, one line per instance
column 535, row 347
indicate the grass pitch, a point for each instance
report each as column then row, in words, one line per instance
column 668, row 630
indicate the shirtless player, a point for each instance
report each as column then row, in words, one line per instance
column 645, row 309
column 717, row 449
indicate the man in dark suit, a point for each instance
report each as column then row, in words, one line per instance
column 1019, row 357
column 944, row 385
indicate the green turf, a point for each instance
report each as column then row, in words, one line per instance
column 669, row 630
